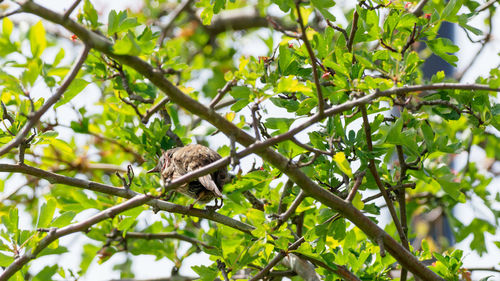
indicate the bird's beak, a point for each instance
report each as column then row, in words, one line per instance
column 154, row 170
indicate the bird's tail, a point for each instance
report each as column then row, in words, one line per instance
column 209, row 184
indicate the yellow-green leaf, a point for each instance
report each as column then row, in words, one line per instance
column 7, row 27
column 342, row 163
column 357, row 202
column 37, row 39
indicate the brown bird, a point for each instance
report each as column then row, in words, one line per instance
column 179, row 161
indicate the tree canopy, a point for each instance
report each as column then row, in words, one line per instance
column 347, row 163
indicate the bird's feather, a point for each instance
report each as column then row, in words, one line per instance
column 209, row 184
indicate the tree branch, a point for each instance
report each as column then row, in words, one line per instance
column 121, row 192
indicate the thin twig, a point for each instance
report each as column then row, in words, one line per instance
column 310, row 162
column 401, row 196
column 410, row 41
column 222, row 267
column 492, row 269
column 222, row 92
column 284, row 194
column 255, row 121
column 485, row 41
column 354, row 28
column 310, row 148
column 392, row 188
column 71, row 9
column 321, row 101
column 295, row 204
column 256, row 203
column 486, row 6
column 343, row 31
column 155, row 108
column 357, row 184
column 23, row 146
column 166, row 235
column 168, row 121
column 6, row 114
column 275, row 25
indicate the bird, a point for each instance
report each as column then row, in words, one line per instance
column 179, row 161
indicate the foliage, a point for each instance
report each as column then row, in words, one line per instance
column 369, row 123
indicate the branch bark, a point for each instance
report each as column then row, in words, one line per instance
column 127, row 193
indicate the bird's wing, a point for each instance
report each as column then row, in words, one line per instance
column 209, row 184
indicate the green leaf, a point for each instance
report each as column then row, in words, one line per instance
column 37, row 39
column 206, row 273
column 126, row 223
column 451, row 9
column 442, row 47
column 112, row 22
column 452, row 188
column 394, row 134
column 323, row 3
column 57, row 250
column 74, row 89
column 290, row 105
column 281, row 124
column 218, row 5
column 207, row 15
column 58, row 58
column 46, row 273
column 89, row 253
column 90, row 14
column 327, row 15
column 127, row 46
column 46, row 213
column 240, row 92
column 284, row 5
column 11, row 221
column 463, row 21
column 240, row 104
column 49, row 134
column 428, row 136
column 5, row 260
column 63, row 220
column 358, row 202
